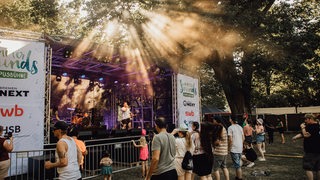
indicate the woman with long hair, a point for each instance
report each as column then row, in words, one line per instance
column 204, row 141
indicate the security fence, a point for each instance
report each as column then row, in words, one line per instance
column 30, row 164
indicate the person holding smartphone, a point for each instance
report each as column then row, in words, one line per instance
column 5, row 148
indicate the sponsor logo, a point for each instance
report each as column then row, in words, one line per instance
column 188, row 103
column 9, row 112
column 188, row 89
column 189, row 113
column 18, row 60
column 13, row 93
column 12, row 129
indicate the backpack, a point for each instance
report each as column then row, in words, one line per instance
column 187, row 163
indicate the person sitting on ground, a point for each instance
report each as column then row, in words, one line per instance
column 248, row 155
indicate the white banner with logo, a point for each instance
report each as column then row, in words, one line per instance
column 22, row 90
column 188, row 100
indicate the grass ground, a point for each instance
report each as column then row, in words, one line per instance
column 283, row 162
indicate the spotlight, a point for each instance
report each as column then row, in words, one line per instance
column 101, row 79
column 91, row 83
column 115, row 82
column 83, row 76
column 68, row 52
column 58, row 78
column 64, row 74
column 76, row 80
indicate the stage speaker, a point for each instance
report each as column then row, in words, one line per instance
column 135, row 132
column 85, row 135
column 101, row 134
column 119, row 132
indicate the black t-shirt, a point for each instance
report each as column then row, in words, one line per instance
column 250, row 154
column 311, row 144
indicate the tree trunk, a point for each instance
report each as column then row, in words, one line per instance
column 232, row 83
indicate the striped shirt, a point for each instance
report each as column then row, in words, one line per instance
column 222, row 149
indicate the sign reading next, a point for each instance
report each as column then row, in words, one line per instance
column 13, row 93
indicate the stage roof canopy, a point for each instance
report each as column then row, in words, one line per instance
column 77, row 57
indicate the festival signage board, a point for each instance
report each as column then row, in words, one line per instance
column 22, row 94
column 188, row 100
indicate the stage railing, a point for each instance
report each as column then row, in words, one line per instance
column 30, row 164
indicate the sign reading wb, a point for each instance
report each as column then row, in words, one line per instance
column 9, row 112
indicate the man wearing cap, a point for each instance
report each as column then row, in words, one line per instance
column 236, row 138
column 68, row 155
column 310, row 133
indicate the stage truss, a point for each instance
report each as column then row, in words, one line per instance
column 47, row 114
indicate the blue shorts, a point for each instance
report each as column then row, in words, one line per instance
column 260, row 138
column 236, row 158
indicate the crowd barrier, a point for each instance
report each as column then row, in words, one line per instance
column 30, row 164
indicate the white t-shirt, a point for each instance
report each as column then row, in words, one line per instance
column 236, row 133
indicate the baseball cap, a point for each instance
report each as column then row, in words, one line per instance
column 60, row 125
column 259, row 120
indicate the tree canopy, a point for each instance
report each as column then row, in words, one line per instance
column 259, row 53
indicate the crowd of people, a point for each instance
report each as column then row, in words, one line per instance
column 209, row 142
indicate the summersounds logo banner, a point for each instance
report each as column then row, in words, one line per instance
column 188, row 100
column 22, row 87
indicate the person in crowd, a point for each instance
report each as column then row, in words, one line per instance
column 5, row 148
column 235, row 139
column 203, row 153
column 270, row 131
column 125, row 116
column 248, row 131
column 183, row 144
column 74, row 133
column 280, row 128
column 106, row 168
column 220, row 152
column 68, row 155
column 163, row 154
column 260, row 138
column 144, row 155
column 248, row 155
column 310, row 132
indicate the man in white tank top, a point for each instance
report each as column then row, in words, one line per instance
column 68, row 155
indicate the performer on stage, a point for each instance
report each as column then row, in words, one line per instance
column 125, row 116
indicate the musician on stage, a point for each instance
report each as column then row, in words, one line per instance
column 125, row 116
column 78, row 117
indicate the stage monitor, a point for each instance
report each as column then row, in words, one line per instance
column 119, row 133
column 85, row 135
column 135, row 132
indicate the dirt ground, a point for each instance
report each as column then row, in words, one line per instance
column 283, row 161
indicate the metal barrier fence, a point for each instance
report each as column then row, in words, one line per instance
column 30, row 164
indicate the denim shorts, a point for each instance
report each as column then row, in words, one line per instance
column 260, row 138
column 236, row 158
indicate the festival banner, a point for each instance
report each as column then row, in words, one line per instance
column 22, row 90
column 188, row 100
